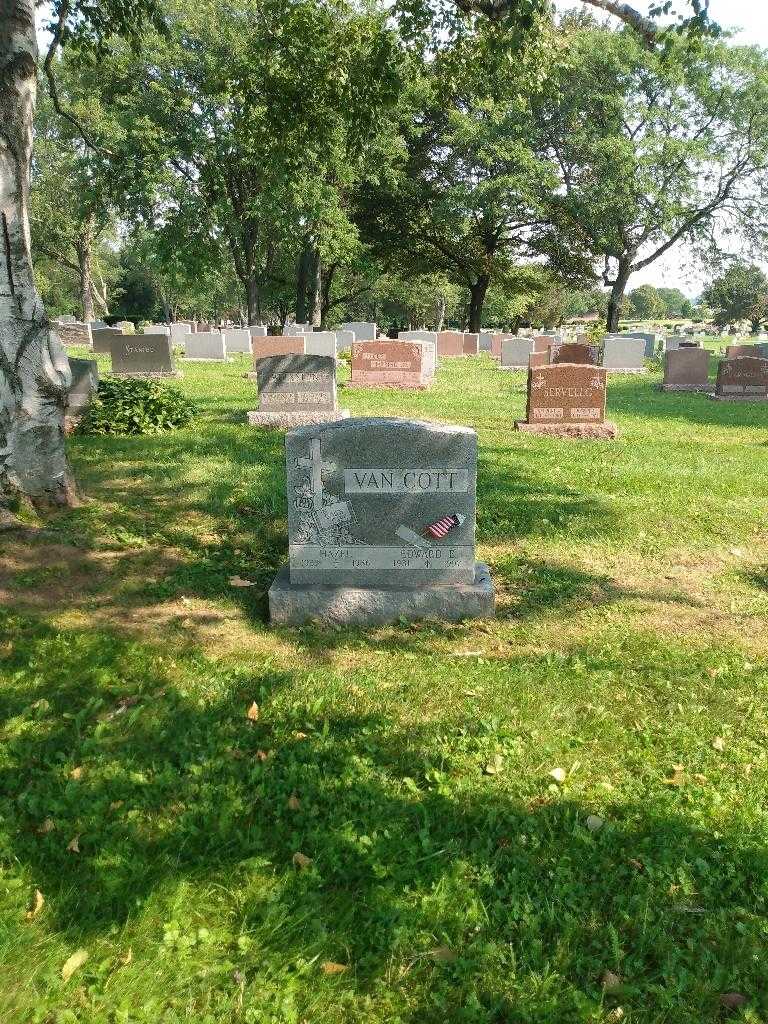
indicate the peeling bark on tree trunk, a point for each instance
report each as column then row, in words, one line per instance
column 34, row 370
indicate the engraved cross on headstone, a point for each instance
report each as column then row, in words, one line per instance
column 317, row 467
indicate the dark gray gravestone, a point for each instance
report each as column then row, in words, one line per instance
column 143, row 355
column 102, row 339
column 295, row 390
column 381, row 524
column 85, row 381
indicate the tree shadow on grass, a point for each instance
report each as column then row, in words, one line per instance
column 413, row 849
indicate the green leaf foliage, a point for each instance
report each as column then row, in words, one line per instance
column 136, row 407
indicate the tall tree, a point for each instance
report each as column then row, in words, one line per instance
column 741, row 293
column 34, row 370
column 657, row 148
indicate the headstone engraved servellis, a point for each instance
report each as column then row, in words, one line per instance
column 295, row 390
column 567, row 400
column 381, row 524
column 686, row 369
column 143, row 355
column 743, row 379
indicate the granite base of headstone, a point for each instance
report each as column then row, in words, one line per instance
column 381, row 525
column 567, row 400
column 143, row 357
column 295, row 390
column 742, row 379
column 686, row 369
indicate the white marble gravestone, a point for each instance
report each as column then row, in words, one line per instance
column 515, row 353
column 363, row 330
column 237, row 340
column 381, row 524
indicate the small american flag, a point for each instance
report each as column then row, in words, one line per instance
column 442, row 526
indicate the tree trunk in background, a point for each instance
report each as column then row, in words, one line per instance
column 253, row 299
column 34, row 370
column 618, row 288
column 316, row 290
column 84, row 260
column 439, row 312
column 477, row 293
column 302, row 276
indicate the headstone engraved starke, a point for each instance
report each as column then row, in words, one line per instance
column 567, row 400
column 624, row 355
column 381, row 525
column 143, row 356
column 296, row 390
column 392, row 364
column 686, row 369
column 205, row 347
column 743, row 379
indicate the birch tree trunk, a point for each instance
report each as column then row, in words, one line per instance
column 34, row 369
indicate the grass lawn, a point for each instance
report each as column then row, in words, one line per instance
column 446, row 875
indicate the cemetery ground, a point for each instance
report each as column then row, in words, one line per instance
column 555, row 816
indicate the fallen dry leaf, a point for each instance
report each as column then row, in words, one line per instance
column 262, row 755
column 253, row 712
column 37, row 905
column 76, row 773
column 718, row 744
column 300, row 860
column 299, row 735
column 678, row 776
column 74, row 845
column 558, row 774
column 329, row 967
column 637, row 864
column 443, row 955
column 732, row 1000
column 616, row 1014
column 47, row 826
column 594, row 823
column 293, row 802
column 610, row 981
column 238, row 581
column 73, row 963
column 494, row 766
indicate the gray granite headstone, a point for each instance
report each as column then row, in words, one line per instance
column 98, row 325
column 103, row 337
column 205, row 346
column 142, row 355
column 295, row 383
column 650, row 340
column 156, row 329
column 381, row 502
column 322, row 343
column 624, row 353
column 516, row 352
column 179, row 332
column 258, row 330
column 486, row 341
column 345, row 340
column 85, row 381
column 364, row 331
column 237, row 340
column 67, row 318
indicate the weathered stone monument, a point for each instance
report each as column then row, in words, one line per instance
column 624, row 354
column 143, row 356
column 743, row 379
column 567, row 400
column 205, row 347
column 391, row 364
column 322, row 343
column 85, row 382
column 296, row 389
column 179, row 332
column 73, row 332
column 381, row 525
column 450, row 343
column 126, row 326
column 471, row 346
column 686, row 369
column 515, row 353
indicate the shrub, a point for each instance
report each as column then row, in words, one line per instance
column 136, row 407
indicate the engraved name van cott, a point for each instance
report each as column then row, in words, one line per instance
column 379, row 502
